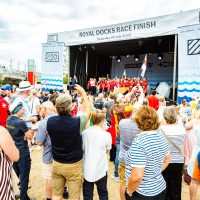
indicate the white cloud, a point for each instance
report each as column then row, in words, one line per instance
column 24, row 24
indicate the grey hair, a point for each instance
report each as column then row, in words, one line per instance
column 170, row 115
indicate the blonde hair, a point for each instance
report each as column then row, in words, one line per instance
column 98, row 116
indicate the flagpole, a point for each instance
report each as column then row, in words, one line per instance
column 143, row 67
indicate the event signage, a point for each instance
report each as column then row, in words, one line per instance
column 151, row 27
column 52, row 66
column 189, row 62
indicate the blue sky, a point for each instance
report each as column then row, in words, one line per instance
column 24, row 24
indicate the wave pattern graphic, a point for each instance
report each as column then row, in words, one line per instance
column 189, row 83
column 56, row 85
column 188, row 90
column 53, row 80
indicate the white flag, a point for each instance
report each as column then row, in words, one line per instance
column 144, row 66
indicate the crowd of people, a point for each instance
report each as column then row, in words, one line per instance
column 150, row 141
column 107, row 85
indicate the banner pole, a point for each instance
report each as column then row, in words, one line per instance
column 86, row 65
column 175, row 66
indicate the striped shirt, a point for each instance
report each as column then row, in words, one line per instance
column 176, row 133
column 148, row 151
column 6, row 189
column 95, row 144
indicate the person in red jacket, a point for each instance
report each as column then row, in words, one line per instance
column 4, row 107
column 153, row 100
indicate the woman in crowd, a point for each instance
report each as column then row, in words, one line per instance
column 189, row 143
column 96, row 143
column 8, row 153
column 146, row 159
column 175, row 134
column 194, row 164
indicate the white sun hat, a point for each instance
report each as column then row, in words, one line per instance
column 24, row 85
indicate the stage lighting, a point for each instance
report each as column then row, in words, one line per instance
column 160, row 56
column 127, row 56
column 136, row 58
column 118, row 58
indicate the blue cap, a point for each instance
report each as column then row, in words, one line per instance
column 8, row 87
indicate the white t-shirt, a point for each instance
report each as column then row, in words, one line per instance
column 176, row 133
column 95, row 144
column 33, row 104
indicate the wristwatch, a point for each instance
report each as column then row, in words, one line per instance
column 129, row 193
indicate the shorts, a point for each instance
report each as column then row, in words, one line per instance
column 47, row 171
column 121, row 173
column 70, row 175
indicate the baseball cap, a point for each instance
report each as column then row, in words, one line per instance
column 8, row 87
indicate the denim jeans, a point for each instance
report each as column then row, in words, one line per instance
column 117, row 156
column 137, row 196
column 88, row 188
column 22, row 169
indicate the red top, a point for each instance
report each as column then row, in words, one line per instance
column 144, row 86
column 153, row 102
column 4, row 106
column 88, row 84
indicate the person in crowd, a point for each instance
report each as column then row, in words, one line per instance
column 189, row 143
column 42, row 138
column 190, row 139
column 9, row 94
column 46, row 97
column 153, row 100
column 8, row 153
column 119, row 111
column 128, row 131
column 96, row 143
column 20, row 133
column 194, row 165
column 25, row 90
column 147, row 157
column 4, row 111
column 99, row 102
column 185, row 111
column 34, row 104
column 65, row 134
column 92, row 84
column 53, row 98
column 108, row 104
column 175, row 134
column 162, row 106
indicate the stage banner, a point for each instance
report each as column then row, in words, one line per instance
column 52, row 66
column 189, row 62
column 144, row 28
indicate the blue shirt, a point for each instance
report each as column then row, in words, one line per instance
column 128, row 131
column 148, row 151
column 43, row 137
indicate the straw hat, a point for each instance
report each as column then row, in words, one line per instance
column 24, row 85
